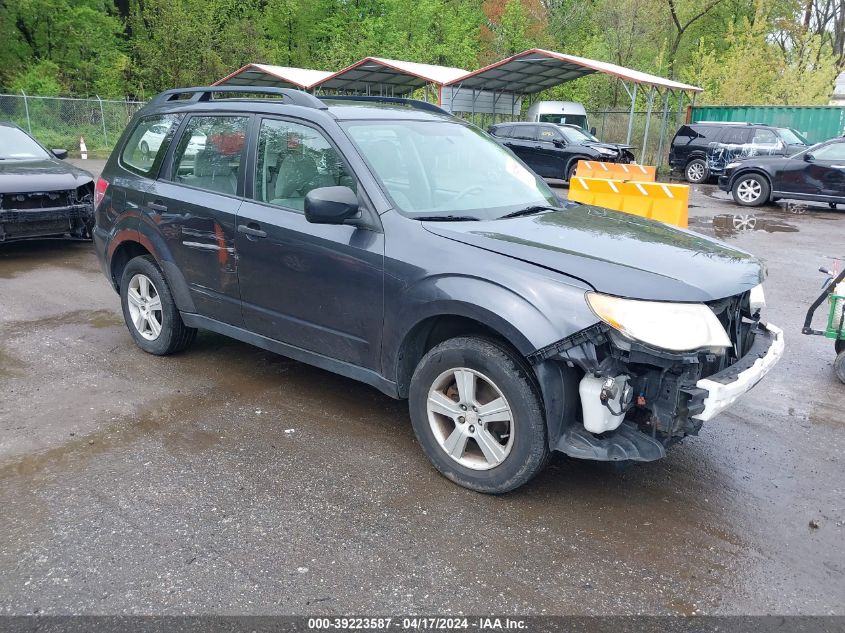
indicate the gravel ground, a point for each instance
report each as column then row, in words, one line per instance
column 231, row 480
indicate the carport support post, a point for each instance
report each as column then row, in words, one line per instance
column 631, row 114
column 26, row 108
column 647, row 124
column 663, row 130
column 103, row 119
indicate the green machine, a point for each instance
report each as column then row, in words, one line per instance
column 833, row 292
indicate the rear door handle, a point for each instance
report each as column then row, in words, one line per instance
column 251, row 229
column 157, row 206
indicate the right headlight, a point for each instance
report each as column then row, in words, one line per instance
column 678, row 327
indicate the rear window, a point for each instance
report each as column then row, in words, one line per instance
column 148, row 143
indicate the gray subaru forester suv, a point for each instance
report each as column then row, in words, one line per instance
column 387, row 241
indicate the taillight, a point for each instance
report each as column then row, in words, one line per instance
column 100, row 191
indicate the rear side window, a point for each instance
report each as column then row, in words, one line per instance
column 689, row 132
column 736, row 135
column 209, row 153
column 526, row 132
column 503, row 131
column 148, row 143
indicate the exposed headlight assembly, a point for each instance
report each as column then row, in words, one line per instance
column 757, row 298
column 678, row 327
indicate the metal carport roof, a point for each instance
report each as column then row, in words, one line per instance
column 273, row 76
column 536, row 70
column 376, row 74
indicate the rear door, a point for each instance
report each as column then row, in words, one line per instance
column 194, row 203
column 523, row 142
column 314, row 286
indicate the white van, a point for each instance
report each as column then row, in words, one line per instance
column 560, row 112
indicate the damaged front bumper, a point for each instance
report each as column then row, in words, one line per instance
column 669, row 395
column 74, row 220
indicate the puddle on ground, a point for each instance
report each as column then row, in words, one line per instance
column 29, row 255
column 731, row 224
column 99, row 319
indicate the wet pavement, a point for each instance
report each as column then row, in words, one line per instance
column 228, row 479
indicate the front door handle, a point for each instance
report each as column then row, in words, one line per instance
column 251, row 229
column 158, row 207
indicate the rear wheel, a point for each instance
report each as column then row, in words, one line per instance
column 839, row 366
column 696, row 171
column 150, row 313
column 750, row 190
column 478, row 416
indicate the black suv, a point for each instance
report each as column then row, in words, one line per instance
column 553, row 150
column 702, row 150
column 390, row 242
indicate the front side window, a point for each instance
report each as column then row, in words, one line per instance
column 575, row 136
column 15, row 144
column 834, row 151
column 292, row 160
column 148, row 143
column 764, row 137
column 549, row 134
column 446, row 168
column 209, row 153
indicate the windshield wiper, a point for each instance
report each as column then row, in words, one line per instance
column 534, row 208
column 447, row 218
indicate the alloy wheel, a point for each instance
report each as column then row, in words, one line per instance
column 470, row 418
column 749, row 190
column 145, row 309
column 695, row 172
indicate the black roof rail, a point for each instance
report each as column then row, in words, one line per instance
column 414, row 103
column 204, row 93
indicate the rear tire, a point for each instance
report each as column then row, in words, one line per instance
column 839, row 366
column 696, row 171
column 750, row 190
column 477, row 413
column 150, row 313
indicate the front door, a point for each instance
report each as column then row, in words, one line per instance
column 825, row 173
column 194, row 203
column 316, row 287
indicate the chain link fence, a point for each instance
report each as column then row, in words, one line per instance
column 612, row 127
column 60, row 122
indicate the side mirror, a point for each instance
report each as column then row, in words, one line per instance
column 592, row 131
column 331, row 205
column 61, row 154
column 559, row 143
column 809, row 157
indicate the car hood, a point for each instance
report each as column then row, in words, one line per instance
column 28, row 176
column 616, row 146
column 616, row 253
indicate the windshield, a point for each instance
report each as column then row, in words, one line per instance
column 574, row 136
column 572, row 119
column 791, row 137
column 16, row 145
column 446, row 168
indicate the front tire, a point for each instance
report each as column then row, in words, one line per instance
column 696, row 171
column 477, row 413
column 570, row 172
column 751, row 190
column 150, row 313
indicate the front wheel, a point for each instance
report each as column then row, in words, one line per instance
column 751, row 190
column 570, row 173
column 478, row 416
column 149, row 310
